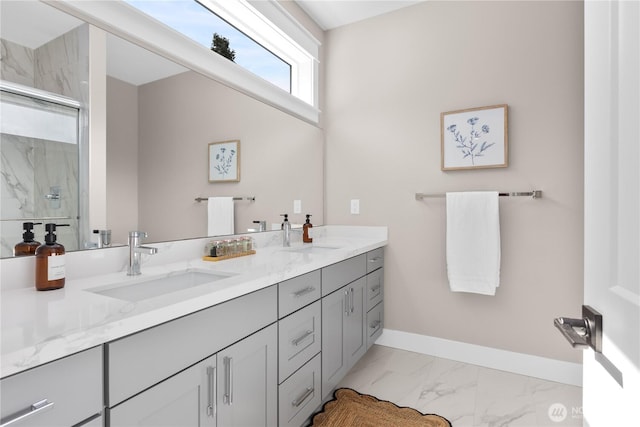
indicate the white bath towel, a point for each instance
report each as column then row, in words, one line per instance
column 220, row 216
column 473, row 242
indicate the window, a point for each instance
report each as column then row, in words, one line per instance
column 199, row 23
column 265, row 22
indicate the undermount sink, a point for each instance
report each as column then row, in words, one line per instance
column 142, row 288
column 311, row 249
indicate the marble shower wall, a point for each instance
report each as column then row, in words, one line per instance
column 31, row 166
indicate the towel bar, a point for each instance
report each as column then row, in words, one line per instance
column 535, row 194
column 204, row 199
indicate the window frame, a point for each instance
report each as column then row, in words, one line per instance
column 124, row 20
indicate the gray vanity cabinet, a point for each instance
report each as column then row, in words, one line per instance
column 247, row 381
column 187, row 399
column 65, row 392
column 217, row 366
column 236, row 387
column 344, row 338
column 352, row 313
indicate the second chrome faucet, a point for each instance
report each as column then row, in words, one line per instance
column 135, row 251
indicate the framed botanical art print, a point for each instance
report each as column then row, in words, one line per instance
column 474, row 138
column 224, row 161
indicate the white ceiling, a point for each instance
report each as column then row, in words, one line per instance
column 329, row 14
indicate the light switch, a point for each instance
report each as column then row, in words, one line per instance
column 355, row 206
column 297, row 206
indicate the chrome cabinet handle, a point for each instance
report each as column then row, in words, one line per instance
column 351, row 299
column 212, row 377
column 376, row 288
column 302, row 292
column 375, row 324
column 346, row 303
column 36, row 408
column 301, row 338
column 302, row 398
column 375, row 259
column 228, row 395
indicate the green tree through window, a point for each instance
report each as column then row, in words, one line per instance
column 220, row 45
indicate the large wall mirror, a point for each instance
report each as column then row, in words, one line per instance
column 144, row 127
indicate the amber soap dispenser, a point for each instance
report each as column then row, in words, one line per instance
column 28, row 246
column 305, row 230
column 50, row 261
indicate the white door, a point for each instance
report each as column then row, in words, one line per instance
column 612, row 210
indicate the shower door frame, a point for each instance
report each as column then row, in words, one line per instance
column 83, row 147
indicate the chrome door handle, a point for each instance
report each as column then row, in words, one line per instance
column 32, row 410
column 228, row 395
column 351, row 299
column 582, row 333
column 211, row 376
column 346, row 303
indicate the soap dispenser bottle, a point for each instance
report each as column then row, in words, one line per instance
column 286, row 231
column 28, row 246
column 305, row 230
column 50, row 261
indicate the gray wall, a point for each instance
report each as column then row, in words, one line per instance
column 388, row 80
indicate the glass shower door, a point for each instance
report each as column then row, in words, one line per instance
column 39, row 136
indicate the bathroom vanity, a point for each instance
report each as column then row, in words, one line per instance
column 264, row 343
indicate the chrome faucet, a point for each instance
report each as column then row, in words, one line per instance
column 135, row 250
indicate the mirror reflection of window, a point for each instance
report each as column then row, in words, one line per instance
column 197, row 22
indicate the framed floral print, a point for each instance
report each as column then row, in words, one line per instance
column 224, row 161
column 474, row 138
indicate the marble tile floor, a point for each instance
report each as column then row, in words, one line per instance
column 467, row 395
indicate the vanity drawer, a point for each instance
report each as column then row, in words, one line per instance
column 72, row 385
column 295, row 293
column 337, row 275
column 298, row 339
column 375, row 287
column 375, row 323
column 375, row 259
column 299, row 396
column 141, row 360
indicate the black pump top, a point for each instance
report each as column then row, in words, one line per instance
column 28, row 230
column 308, row 220
column 286, row 216
column 50, row 237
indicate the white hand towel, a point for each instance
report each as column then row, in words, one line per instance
column 220, row 216
column 473, row 242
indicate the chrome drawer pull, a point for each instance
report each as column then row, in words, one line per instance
column 376, row 259
column 35, row 408
column 302, row 292
column 302, row 398
column 301, row 338
column 375, row 288
column 375, row 324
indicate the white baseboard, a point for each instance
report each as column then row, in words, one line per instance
column 519, row 363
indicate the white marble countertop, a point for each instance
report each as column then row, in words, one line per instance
column 39, row 327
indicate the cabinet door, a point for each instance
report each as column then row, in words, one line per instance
column 334, row 317
column 248, row 382
column 184, row 400
column 356, row 334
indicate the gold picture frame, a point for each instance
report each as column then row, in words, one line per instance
column 474, row 138
column 224, row 161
